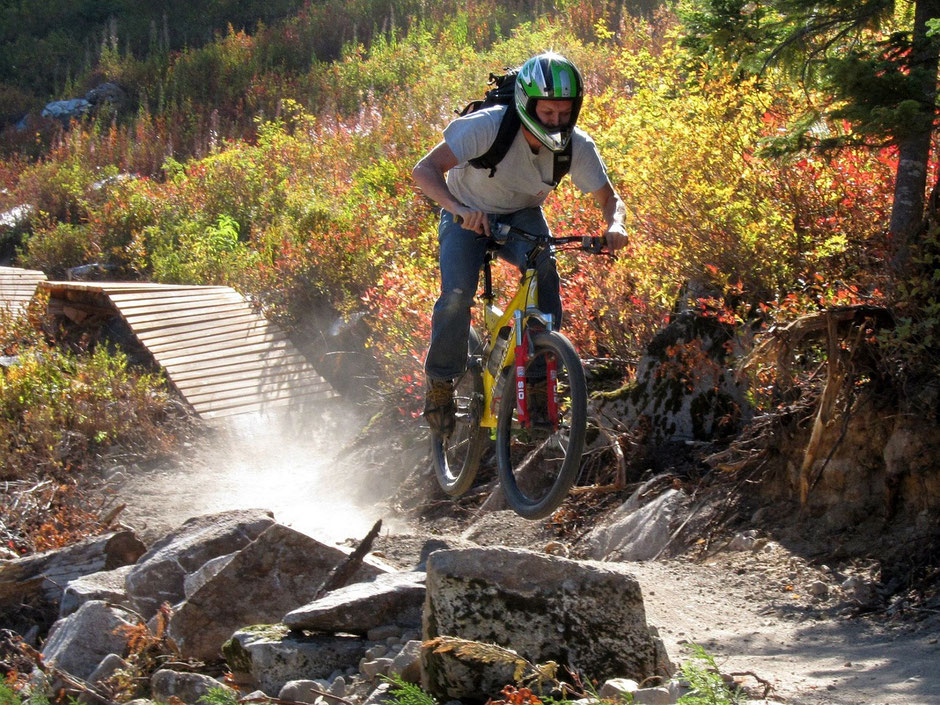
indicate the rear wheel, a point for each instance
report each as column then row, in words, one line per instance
column 539, row 462
column 456, row 459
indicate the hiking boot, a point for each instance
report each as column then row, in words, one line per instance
column 439, row 408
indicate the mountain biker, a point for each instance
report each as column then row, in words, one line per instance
column 548, row 96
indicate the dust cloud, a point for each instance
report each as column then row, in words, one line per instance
column 296, row 464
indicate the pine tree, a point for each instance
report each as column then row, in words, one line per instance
column 876, row 60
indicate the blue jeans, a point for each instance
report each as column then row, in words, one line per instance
column 461, row 259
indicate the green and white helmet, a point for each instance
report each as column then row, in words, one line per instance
column 548, row 76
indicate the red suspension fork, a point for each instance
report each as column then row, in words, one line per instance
column 522, row 355
column 551, row 367
column 551, row 382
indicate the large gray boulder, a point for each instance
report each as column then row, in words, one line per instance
column 584, row 615
column 66, row 110
column 394, row 598
column 106, row 585
column 79, row 642
column 279, row 571
column 270, row 656
column 16, row 216
column 160, row 574
column 686, row 387
column 45, row 575
column 110, row 93
column 638, row 530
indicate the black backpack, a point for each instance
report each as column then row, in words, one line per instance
column 503, row 93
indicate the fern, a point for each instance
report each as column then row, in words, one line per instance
column 404, row 693
column 524, row 671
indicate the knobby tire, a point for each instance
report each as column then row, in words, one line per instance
column 457, row 459
column 538, row 466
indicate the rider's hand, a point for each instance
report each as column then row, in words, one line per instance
column 474, row 220
column 616, row 237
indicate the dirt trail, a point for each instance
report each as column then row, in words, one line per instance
column 748, row 609
column 808, row 656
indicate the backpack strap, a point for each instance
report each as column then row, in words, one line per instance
column 504, row 137
column 507, row 133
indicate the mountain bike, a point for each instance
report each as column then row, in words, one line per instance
column 524, row 387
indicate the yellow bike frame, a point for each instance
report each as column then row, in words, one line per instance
column 523, row 305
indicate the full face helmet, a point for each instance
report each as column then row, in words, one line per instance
column 548, row 76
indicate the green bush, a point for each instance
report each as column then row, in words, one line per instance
column 708, row 688
column 55, row 247
column 59, row 410
column 190, row 253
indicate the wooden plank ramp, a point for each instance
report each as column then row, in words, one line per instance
column 222, row 356
column 17, row 287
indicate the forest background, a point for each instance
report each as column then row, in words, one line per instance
column 268, row 146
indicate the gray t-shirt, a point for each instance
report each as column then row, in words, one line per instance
column 522, row 179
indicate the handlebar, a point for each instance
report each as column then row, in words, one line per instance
column 501, row 232
column 588, row 243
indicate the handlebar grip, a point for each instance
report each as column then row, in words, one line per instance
column 593, row 244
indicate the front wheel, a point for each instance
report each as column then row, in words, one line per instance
column 539, row 461
column 457, row 458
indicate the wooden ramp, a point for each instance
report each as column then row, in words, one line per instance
column 222, row 356
column 17, row 287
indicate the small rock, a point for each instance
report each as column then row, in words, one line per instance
column 376, row 667
column 653, row 696
column 302, row 691
column 107, row 668
column 377, row 651
column 858, row 588
column 191, row 688
column 407, row 663
column 677, row 689
column 745, row 541
column 818, row 588
column 338, row 687
column 379, row 695
column 618, row 688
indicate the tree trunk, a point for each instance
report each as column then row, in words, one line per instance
column 914, row 151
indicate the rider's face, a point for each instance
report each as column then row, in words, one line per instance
column 554, row 113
